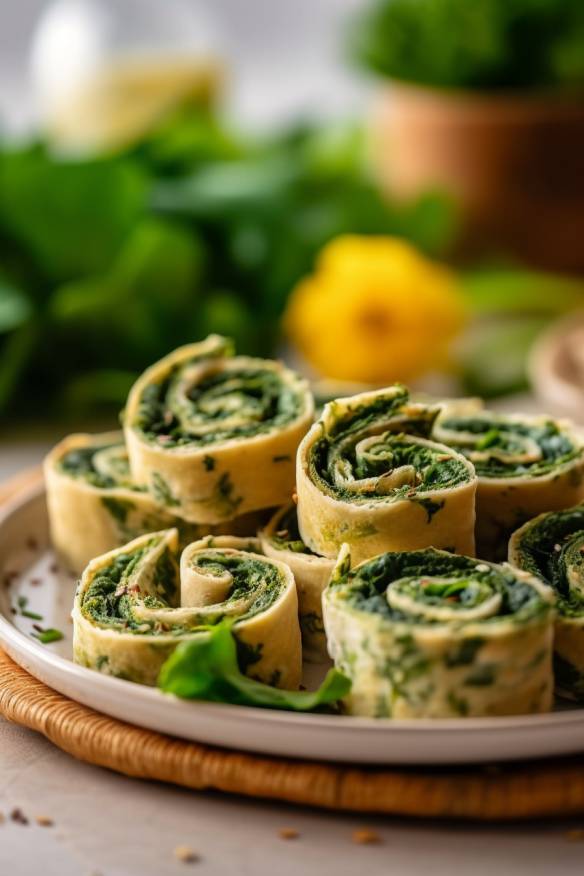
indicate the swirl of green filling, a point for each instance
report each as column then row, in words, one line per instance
column 552, row 547
column 428, row 634
column 525, row 465
column 95, row 505
column 508, row 447
column 234, row 402
column 386, row 467
column 134, row 605
column 102, row 464
column 367, row 475
column 192, row 417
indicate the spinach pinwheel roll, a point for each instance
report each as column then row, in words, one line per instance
column 94, row 505
column 281, row 540
column 525, row 464
column 366, row 475
column 213, row 435
column 552, row 547
column 428, row 634
column 135, row 604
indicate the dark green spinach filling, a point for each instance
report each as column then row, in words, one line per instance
column 79, row 463
column 384, row 409
column 264, row 401
column 111, row 597
column 107, row 601
column 443, row 578
column 287, row 536
column 433, row 470
column 251, row 578
column 552, row 548
column 498, row 435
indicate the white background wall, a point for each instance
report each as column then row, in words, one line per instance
column 288, row 57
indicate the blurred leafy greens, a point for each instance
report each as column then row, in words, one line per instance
column 485, row 44
column 206, row 669
column 511, row 308
column 108, row 263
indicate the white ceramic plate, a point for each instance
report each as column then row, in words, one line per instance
column 28, row 569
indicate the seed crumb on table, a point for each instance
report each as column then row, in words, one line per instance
column 288, row 833
column 185, row 855
column 366, row 837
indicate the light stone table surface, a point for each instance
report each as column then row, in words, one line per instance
column 113, row 826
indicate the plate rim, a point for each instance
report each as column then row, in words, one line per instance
column 11, row 635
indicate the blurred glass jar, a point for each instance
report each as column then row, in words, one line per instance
column 104, row 71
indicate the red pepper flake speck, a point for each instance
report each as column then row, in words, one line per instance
column 18, row 816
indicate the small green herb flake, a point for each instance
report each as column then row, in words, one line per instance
column 162, row 492
column 32, row 615
column 285, row 457
column 430, row 507
column 208, row 462
column 224, row 495
column 118, row 508
column 22, row 602
column 458, row 704
column 47, row 636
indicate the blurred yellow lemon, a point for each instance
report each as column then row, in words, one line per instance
column 375, row 310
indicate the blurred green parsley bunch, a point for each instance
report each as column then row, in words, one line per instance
column 474, row 44
column 108, row 263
